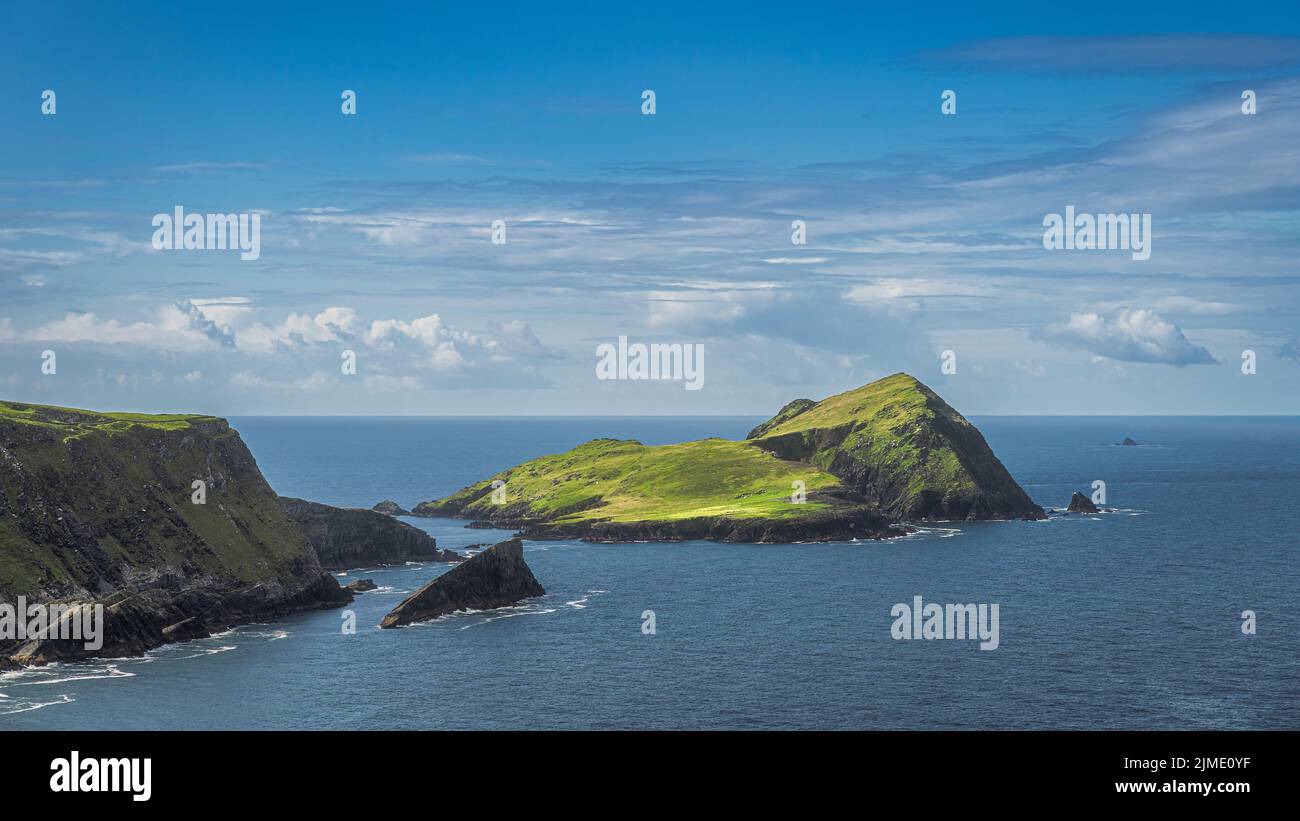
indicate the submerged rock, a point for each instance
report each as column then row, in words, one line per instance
column 497, row 577
column 1128, row 442
column 1081, row 504
column 345, row 538
column 390, row 508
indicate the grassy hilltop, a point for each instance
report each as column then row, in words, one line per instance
column 903, row 448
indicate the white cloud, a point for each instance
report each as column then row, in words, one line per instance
column 1129, row 335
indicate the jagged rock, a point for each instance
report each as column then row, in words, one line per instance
column 497, row 577
column 100, row 508
column 361, row 585
column 390, row 508
column 1128, row 442
column 346, row 538
column 1081, row 504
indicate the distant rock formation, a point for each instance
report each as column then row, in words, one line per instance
column 1081, row 504
column 1128, row 442
column 361, row 585
column 346, row 538
column 390, row 508
column 497, row 577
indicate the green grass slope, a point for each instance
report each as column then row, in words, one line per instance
column 903, row 448
column 626, row 481
column 612, row 490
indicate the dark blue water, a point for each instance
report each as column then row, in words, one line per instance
column 1126, row 620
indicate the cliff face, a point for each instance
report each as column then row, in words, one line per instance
column 497, row 577
column 100, row 508
column 904, row 449
column 345, row 538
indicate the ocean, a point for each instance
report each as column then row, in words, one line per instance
column 1126, row 620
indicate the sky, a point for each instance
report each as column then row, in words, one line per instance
column 924, row 230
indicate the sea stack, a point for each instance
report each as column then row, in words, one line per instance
column 1081, row 504
column 497, row 577
column 390, row 508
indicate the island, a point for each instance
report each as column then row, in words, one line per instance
column 858, row 465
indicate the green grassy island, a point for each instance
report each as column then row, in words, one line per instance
column 857, row 465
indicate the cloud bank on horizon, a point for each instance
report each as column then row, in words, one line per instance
column 923, row 231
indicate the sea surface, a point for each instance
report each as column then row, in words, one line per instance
column 1130, row 619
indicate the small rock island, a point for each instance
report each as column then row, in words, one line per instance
column 497, row 577
column 1081, row 504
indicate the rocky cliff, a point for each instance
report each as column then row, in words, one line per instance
column 164, row 520
column 497, row 577
column 346, row 538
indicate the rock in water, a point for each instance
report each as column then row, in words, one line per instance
column 361, row 585
column 1128, row 442
column 1081, row 504
column 345, row 538
column 390, row 508
column 497, row 577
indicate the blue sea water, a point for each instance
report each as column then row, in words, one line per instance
column 1130, row 619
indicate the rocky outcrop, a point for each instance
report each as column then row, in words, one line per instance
column 165, row 521
column 346, row 538
column 390, row 508
column 1081, row 504
column 497, row 577
column 361, row 585
column 1128, row 442
column 788, row 411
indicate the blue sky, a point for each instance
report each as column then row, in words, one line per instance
column 924, row 230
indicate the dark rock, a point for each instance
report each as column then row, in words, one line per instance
column 497, row 577
column 361, row 585
column 1128, row 442
column 346, row 538
column 390, row 508
column 1081, row 504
